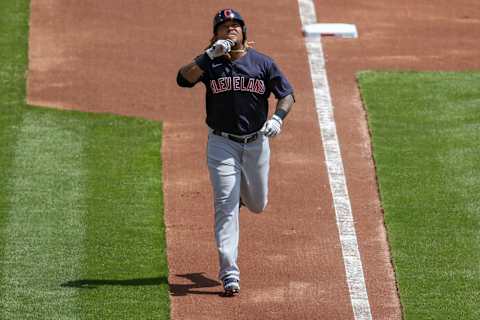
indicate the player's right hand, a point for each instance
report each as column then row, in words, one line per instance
column 220, row 48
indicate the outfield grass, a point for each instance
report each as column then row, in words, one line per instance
column 426, row 140
column 81, row 204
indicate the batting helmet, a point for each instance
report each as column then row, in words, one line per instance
column 226, row 15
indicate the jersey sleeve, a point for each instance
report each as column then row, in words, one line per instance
column 182, row 82
column 203, row 63
column 278, row 83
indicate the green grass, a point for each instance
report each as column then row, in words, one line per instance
column 426, row 140
column 81, row 204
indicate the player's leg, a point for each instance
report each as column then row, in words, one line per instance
column 223, row 158
column 255, row 168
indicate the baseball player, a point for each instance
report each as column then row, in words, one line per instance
column 238, row 82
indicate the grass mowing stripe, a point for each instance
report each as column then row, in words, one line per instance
column 426, row 137
column 126, row 272
column 13, row 59
column 44, row 230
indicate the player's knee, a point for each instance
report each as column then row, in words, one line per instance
column 258, row 207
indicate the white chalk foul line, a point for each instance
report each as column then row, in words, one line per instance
column 336, row 175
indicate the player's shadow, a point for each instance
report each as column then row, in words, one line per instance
column 95, row 283
column 198, row 281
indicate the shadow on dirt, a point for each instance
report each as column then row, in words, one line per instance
column 199, row 281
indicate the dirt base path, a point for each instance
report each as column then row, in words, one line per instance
column 407, row 35
column 122, row 57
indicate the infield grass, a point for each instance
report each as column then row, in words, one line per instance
column 426, row 142
column 81, row 204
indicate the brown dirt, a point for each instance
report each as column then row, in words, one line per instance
column 122, row 57
column 406, row 35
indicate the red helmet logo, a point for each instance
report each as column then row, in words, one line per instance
column 227, row 13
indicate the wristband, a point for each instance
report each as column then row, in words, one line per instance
column 281, row 113
column 203, row 61
column 277, row 118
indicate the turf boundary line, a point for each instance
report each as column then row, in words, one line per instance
column 338, row 186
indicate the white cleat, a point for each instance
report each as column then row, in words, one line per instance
column 231, row 286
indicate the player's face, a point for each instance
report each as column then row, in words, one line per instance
column 230, row 30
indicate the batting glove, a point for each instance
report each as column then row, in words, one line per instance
column 219, row 48
column 272, row 127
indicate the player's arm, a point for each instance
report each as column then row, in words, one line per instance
column 189, row 75
column 273, row 126
column 284, row 105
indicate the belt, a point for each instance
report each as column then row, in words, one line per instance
column 240, row 139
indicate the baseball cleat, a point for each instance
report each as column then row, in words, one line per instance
column 231, row 286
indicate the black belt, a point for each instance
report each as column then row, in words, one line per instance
column 239, row 139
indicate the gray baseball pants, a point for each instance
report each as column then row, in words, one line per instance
column 236, row 170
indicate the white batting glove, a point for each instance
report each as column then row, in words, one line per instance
column 272, row 127
column 220, row 48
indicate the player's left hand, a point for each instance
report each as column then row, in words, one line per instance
column 272, row 127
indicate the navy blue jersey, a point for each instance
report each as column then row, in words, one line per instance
column 237, row 92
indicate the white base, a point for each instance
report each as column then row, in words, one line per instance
column 342, row 30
